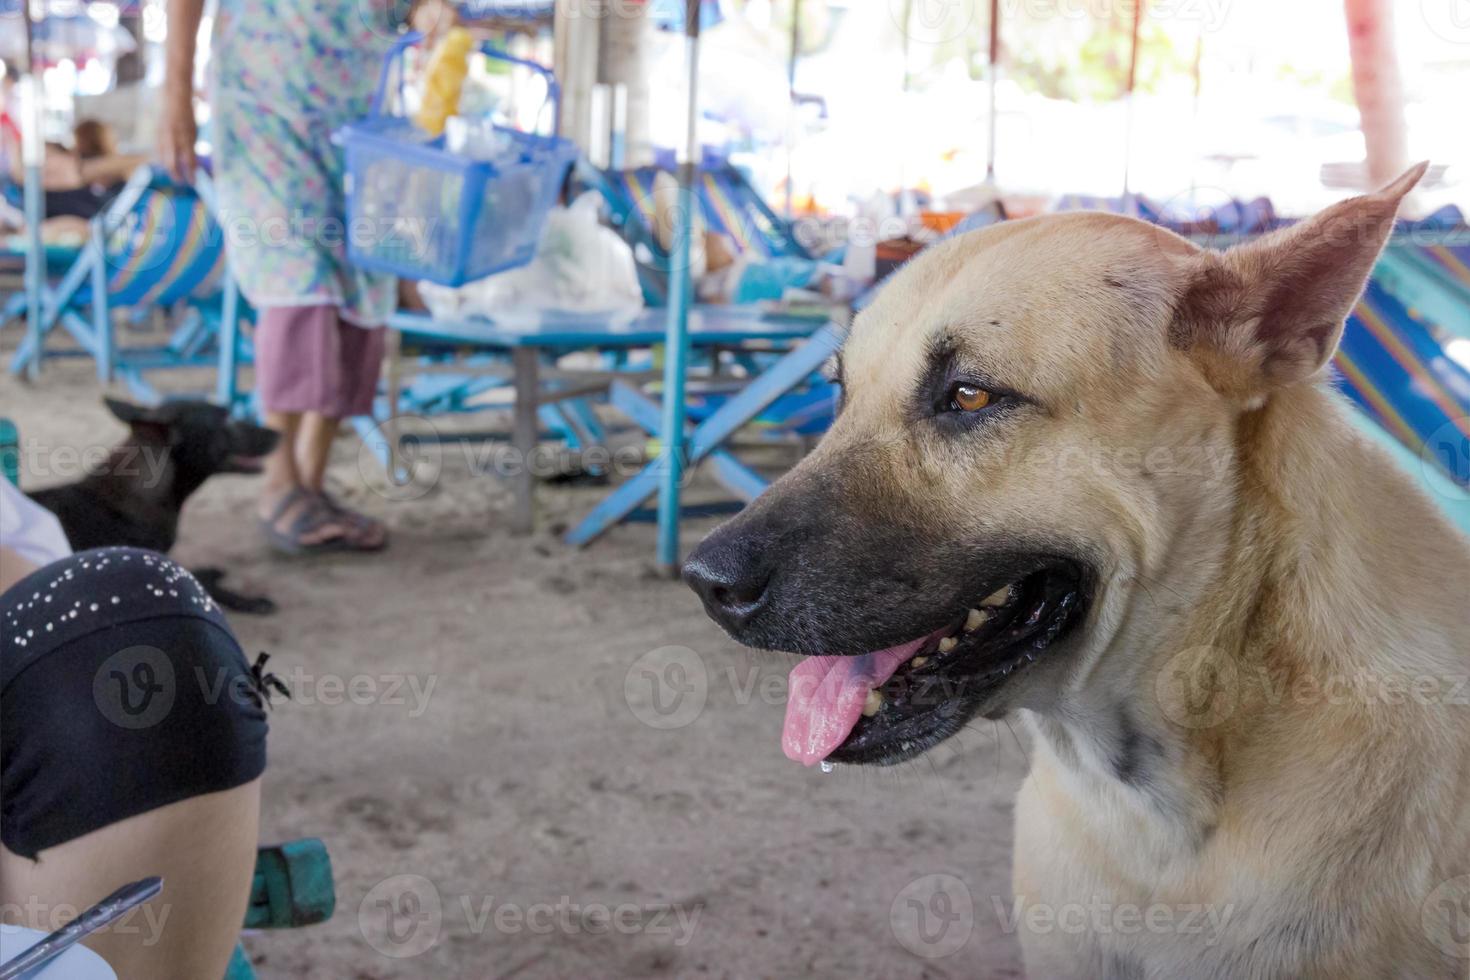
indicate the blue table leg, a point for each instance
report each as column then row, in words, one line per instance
column 35, row 268
column 676, row 360
column 227, row 384
column 754, row 398
column 738, row 478
column 523, row 436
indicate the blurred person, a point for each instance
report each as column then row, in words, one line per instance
column 285, row 76
column 132, row 742
column 78, row 182
column 721, row 273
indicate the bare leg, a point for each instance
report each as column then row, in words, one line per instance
column 314, row 448
column 281, row 472
column 202, row 847
column 284, row 476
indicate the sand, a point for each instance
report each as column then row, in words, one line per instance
column 470, row 735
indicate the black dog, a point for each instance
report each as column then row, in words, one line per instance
column 135, row 497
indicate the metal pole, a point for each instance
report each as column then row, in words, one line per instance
column 676, row 334
column 33, row 152
column 791, row 102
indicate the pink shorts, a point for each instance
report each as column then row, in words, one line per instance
column 308, row 360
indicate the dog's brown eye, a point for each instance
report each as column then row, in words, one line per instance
column 969, row 398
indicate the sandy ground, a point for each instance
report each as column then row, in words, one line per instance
column 532, row 761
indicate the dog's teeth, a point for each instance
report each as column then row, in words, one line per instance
column 997, row 598
column 918, row 662
column 947, row 644
column 872, row 704
column 975, row 619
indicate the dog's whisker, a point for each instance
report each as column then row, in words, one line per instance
column 1019, row 745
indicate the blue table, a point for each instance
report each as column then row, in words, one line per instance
column 528, row 338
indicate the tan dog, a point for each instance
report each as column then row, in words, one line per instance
column 1090, row 472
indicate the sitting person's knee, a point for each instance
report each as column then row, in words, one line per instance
column 121, row 685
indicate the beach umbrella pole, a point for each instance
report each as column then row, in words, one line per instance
column 676, row 333
column 33, row 149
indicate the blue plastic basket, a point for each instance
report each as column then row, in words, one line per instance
column 417, row 210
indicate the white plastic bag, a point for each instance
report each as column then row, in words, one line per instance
column 580, row 266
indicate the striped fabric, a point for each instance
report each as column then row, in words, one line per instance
column 167, row 248
column 729, row 206
column 1393, row 369
column 1454, row 259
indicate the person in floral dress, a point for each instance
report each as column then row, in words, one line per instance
column 284, row 76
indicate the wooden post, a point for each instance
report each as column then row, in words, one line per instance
column 574, row 58
column 626, row 45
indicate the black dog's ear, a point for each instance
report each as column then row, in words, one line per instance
column 126, row 412
column 157, row 418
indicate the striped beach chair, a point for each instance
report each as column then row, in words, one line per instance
column 727, row 202
column 156, row 246
column 1397, row 373
column 1427, row 268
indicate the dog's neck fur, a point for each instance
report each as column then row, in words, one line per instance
column 133, row 483
column 1304, row 543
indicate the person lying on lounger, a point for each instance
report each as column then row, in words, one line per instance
column 78, row 182
column 722, row 274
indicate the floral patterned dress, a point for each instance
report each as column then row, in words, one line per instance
column 284, row 76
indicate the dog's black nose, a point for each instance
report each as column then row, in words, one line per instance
column 730, row 577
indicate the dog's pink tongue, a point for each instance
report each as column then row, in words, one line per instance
column 827, row 696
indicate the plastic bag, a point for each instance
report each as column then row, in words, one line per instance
column 580, row 267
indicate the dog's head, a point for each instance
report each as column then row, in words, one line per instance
column 199, row 439
column 1035, row 416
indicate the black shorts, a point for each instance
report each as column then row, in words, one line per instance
column 80, row 202
column 122, row 689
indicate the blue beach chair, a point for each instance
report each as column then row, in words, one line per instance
column 1427, row 267
column 156, row 246
column 727, row 202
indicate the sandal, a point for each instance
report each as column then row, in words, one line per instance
column 314, row 516
column 370, row 535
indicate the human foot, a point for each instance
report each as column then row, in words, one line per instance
column 370, row 533
column 297, row 522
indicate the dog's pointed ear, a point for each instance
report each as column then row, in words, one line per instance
column 126, row 412
column 1269, row 313
column 142, row 416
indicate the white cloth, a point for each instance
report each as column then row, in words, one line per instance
column 29, row 529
